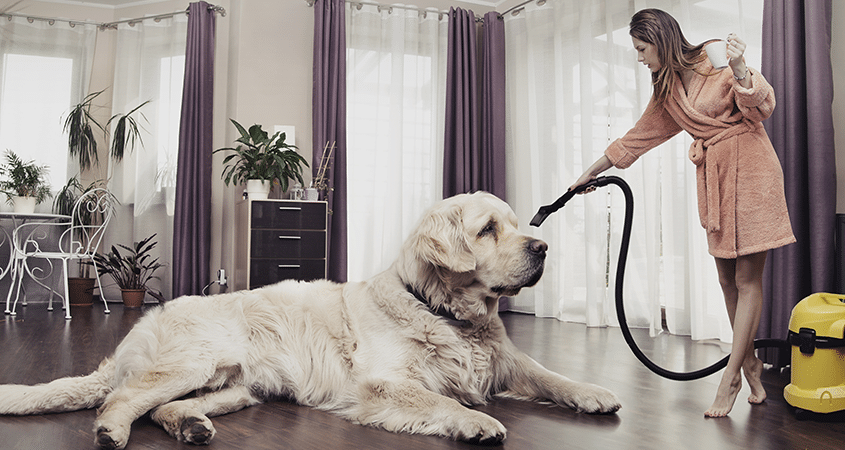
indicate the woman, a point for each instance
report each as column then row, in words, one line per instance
column 741, row 200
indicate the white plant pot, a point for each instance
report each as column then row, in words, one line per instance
column 258, row 189
column 24, row 205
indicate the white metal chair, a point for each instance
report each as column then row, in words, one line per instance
column 79, row 239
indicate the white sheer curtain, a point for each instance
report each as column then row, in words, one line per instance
column 44, row 69
column 396, row 71
column 149, row 66
column 574, row 86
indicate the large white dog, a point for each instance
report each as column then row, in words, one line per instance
column 378, row 352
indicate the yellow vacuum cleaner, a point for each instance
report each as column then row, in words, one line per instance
column 817, row 337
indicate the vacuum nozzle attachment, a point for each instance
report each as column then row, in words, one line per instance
column 547, row 210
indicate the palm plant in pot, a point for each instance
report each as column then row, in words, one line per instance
column 24, row 183
column 80, row 124
column 132, row 270
column 126, row 132
column 261, row 160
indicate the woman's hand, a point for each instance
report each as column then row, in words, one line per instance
column 736, row 48
column 583, row 179
column 592, row 173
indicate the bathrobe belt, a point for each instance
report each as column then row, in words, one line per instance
column 711, row 160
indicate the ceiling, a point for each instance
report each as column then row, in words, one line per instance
column 112, row 2
column 118, row 3
column 491, row 3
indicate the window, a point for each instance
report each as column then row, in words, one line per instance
column 150, row 67
column 172, row 73
column 395, row 113
column 35, row 97
column 44, row 69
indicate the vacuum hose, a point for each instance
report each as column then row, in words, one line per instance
column 545, row 211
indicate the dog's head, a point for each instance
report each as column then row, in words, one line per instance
column 467, row 252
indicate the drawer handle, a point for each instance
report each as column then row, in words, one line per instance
column 290, row 208
column 289, row 266
column 296, row 238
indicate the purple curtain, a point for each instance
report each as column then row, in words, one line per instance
column 461, row 154
column 796, row 61
column 192, row 219
column 329, row 121
column 493, row 105
column 474, row 152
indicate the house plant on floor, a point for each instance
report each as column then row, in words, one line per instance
column 132, row 270
column 262, row 158
column 80, row 126
column 24, row 183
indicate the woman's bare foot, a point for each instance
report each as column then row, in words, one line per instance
column 753, row 370
column 725, row 397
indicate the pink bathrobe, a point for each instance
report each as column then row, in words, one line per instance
column 741, row 201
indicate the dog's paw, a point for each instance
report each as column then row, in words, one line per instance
column 196, row 430
column 479, row 428
column 589, row 398
column 111, row 439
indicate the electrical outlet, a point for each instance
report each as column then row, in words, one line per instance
column 221, row 277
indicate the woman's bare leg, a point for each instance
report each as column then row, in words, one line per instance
column 742, row 285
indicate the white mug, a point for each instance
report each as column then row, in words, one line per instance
column 717, row 51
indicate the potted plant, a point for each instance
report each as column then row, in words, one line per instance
column 25, row 183
column 81, row 288
column 132, row 270
column 262, row 158
column 82, row 144
column 126, row 132
column 79, row 125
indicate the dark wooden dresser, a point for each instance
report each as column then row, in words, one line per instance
column 279, row 240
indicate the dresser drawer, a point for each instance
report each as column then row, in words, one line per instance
column 288, row 244
column 269, row 271
column 288, row 215
column 279, row 240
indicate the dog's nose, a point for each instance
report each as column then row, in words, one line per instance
column 537, row 246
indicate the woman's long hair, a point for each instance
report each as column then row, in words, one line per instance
column 658, row 28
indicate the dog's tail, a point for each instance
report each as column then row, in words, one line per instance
column 64, row 394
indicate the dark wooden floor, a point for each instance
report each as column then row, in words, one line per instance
column 38, row 346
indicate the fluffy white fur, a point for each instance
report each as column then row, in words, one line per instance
column 372, row 352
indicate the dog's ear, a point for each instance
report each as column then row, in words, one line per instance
column 440, row 240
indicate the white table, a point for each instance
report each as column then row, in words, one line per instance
column 16, row 268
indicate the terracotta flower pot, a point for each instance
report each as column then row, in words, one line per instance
column 133, row 298
column 80, row 291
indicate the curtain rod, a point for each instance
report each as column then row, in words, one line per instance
column 518, row 8
column 381, row 6
column 105, row 25
column 50, row 20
